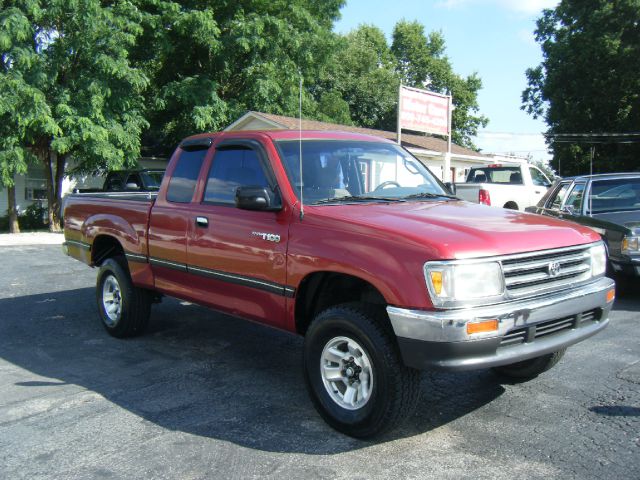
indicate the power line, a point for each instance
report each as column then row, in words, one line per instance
column 592, row 134
column 594, row 138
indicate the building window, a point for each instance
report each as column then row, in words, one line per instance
column 35, row 189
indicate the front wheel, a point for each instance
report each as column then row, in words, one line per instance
column 354, row 373
column 528, row 369
column 124, row 309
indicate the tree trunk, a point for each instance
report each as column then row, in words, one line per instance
column 50, row 176
column 14, row 227
column 61, row 161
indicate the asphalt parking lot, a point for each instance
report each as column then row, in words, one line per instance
column 203, row 395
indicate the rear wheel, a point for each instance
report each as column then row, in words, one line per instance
column 354, row 373
column 124, row 309
column 531, row 368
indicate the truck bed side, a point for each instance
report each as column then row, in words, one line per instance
column 96, row 224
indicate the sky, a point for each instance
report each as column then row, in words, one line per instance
column 491, row 37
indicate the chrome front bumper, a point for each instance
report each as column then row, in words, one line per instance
column 439, row 339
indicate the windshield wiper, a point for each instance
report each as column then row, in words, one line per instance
column 357, row 198
column 431, row 195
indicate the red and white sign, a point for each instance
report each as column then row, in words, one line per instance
column 424, row 111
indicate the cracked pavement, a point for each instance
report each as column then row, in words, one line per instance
column 204, row 395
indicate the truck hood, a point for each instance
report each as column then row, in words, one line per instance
column 456, row 229
column 624, row 220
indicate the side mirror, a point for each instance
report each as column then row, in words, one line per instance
column 256, row 198
column 568, row 209
column 451, row 187
column 132, row 186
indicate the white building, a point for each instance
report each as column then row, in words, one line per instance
column 30, row 188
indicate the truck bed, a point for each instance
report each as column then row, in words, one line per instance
column 124, row 215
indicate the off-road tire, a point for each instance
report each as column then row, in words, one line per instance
column 528, row 369
column 135, row 310
column 395, row 388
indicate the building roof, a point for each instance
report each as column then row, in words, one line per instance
column 283, row 134
column 408, row 140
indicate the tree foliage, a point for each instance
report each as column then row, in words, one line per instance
column 85, row 83
column 23, row 107
column 588, row 81
column 362, row 72
column 71, row 59
column 211, row 61
column 367, row 72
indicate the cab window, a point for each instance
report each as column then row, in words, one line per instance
column 133, row 182
column 555, row 200
column 232, row 168
column 574, row 199
column 538, row 178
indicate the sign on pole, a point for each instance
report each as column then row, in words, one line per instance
column 428, row 112
column 424, row 111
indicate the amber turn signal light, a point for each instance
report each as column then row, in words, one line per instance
column 483, row 326
column 436, row 281
column 611, row 295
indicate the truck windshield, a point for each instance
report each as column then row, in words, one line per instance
column 343, row 171
column 510, row 175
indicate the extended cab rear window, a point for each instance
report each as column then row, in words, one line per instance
column 184, row 178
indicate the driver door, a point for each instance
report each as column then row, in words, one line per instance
column 237, row 258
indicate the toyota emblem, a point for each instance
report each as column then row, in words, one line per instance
column 554, row 269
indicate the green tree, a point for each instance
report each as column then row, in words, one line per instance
column 75, row 58
column 210, row 61
column 23, row 109
column 588, row 82
column 362, row 71
column 366, row 71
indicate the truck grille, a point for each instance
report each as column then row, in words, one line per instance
column 532, row 332
column 534, row 273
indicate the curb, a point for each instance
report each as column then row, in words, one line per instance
column 31, row 238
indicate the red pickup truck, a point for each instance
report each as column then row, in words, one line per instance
column 359, row 248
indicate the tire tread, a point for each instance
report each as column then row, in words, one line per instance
column 135, row 316
column 404, row 384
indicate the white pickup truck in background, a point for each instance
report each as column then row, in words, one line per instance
column 514, row 186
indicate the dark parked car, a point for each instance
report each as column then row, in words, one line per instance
column 609, row 204
column 141, row 180
column 130, row 181
column 133, row 180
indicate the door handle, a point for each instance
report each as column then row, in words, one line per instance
column 202, row 221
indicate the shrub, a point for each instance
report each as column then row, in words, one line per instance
column 34, row 217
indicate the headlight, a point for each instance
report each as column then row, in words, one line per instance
column 630, row 245
column 453, row 283
column 598, row 260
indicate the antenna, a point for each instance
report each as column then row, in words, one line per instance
column 300, row 146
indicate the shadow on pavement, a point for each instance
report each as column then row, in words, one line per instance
column 627, row 294
column 616, row 410
column 203, row 373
